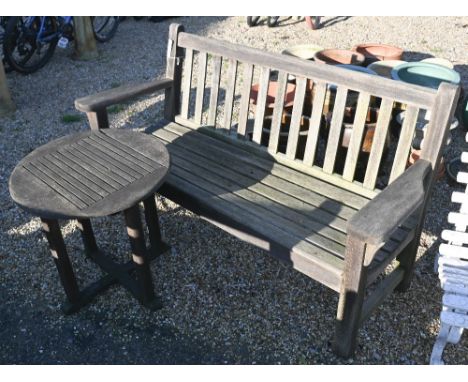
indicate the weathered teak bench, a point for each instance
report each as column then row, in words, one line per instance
column 326, row 224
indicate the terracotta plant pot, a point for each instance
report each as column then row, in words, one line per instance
column 271, row 95
column 369, row 128
column 414, row 156
column 339, row 56
column 378, row 52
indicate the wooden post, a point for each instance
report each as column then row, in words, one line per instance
column 85, row 43
column 6, row 104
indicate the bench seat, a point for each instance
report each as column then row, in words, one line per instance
column 299, row 219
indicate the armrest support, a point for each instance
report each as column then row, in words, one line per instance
column 377, row 220
column 99, row 101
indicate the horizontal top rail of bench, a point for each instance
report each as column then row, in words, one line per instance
column 379, row 86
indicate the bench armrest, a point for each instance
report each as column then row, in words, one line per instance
column 99, row 101
column 379, row 218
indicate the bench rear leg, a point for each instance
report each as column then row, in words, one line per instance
column 351, row 299
column 407, row 259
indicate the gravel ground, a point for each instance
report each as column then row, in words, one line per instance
column 224, row 300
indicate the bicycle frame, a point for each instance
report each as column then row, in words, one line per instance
column 41, row 37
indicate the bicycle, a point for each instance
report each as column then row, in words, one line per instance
column 30, row 41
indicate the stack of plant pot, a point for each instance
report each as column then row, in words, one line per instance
column 373, row 59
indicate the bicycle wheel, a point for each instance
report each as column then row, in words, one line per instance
column 22, row 50
column 104, row 27
column 272, row 21
column 252, row 20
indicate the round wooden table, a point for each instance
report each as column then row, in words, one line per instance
column 96, row 174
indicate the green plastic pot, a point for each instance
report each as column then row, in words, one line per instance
column 424, row 74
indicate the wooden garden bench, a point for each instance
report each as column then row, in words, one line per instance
column 325, row 223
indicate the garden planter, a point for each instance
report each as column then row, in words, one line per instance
column 378, row 52
column 353, row 96
column 368, row 136
column 438, row 61
column 284, row 133
column 384, row 68
column 369, row 128
column 415, row 155
column 339, row 56
column 463, row 113
column 271, row 95
column 304, row 51
column 424, row 74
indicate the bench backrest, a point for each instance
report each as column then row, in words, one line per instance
column 213, row 81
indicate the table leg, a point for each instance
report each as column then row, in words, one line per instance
column 139, row 256
column 152, row 221
column 62, row 262
column 87, row 234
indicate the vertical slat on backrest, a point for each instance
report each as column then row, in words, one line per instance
column 215, row 78
column 404, row 142
column 229, row 100
column 261, row 104
column 314, row 123
column 335, row 129
column 296, row 116
column 186, row 86
column 355, row 143
column 378, row 143
column 245, row 99
column 200, row 87
column 277, row 112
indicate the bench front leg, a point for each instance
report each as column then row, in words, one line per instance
column 351, row 298
column 98, row 119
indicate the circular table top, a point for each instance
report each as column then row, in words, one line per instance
column 89, row 174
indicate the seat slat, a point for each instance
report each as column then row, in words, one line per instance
column 355, row 143
column 239, row 155
column 378, row 143
column 335, row 129
column 229, row 161
column 261, row 104
column 187, row 83
column 324, row 267
column 278, row 112
column 302, row 213
column 314, row 123
column 245, row 199
column 215, row 80
column 230, row 89
column 404, row 143
column 202, row 59
column 313, row 207
column 295, row 125
column 245, row 100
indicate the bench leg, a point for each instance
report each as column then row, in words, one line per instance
column 98, row 119
column 87, row 234
column 351, row 299
column 59, row 253
column 407, row 259
column 139, row 256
